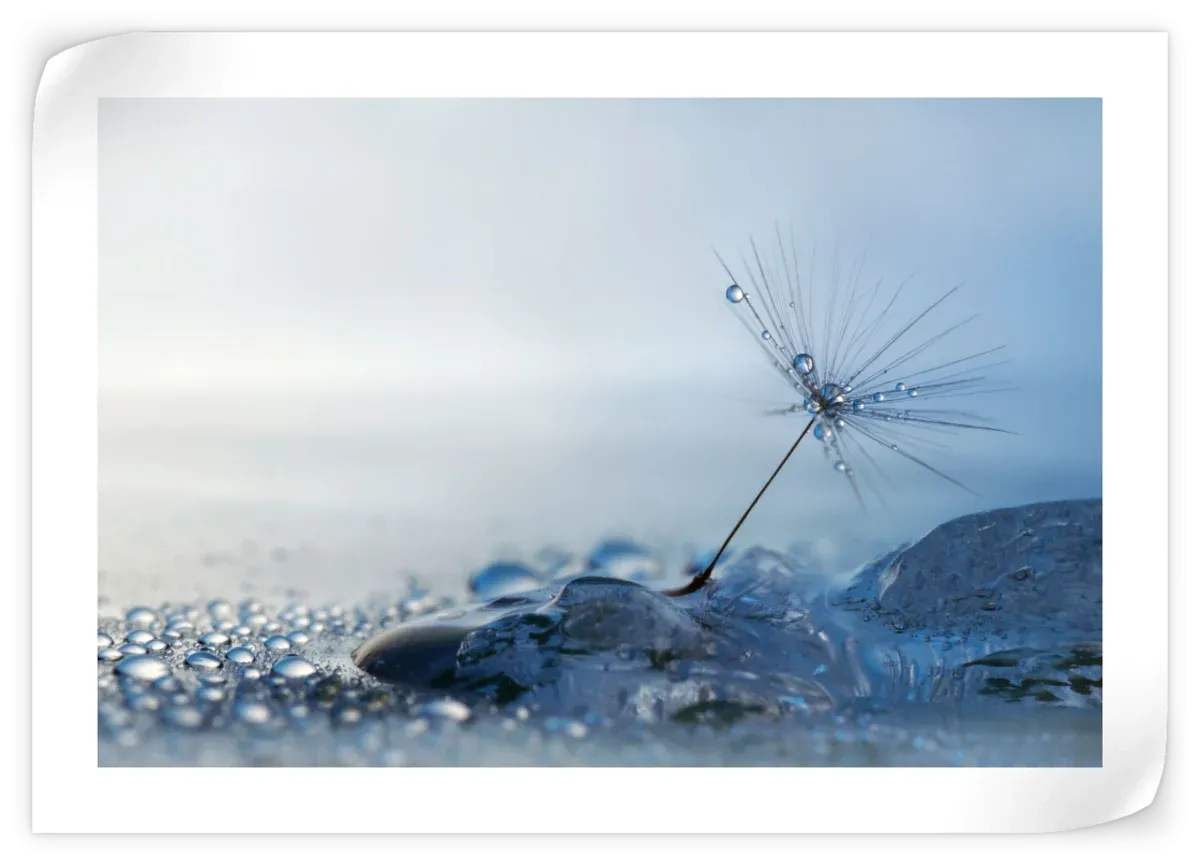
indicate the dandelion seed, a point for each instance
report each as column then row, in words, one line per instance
column 854, row 337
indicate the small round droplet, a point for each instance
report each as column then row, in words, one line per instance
column 293, row 667
column 278, row 644
column 803, row 364
column 215, row 638
column 899, row 386
column 240, row 655
column 734, row 294
column 877, row 397
column 131, row 649
column 141, row 617
column 895, row 447
column 451, row 710
column 839, row 466
column 140, row 636
column 912, row 391
column 859, row 405
column 298, row 638
column 143, row 668
column 823, row 432
column 203, row 661
column 109, row 653
column 766, row 334
column 840, row 423
column 157, row 646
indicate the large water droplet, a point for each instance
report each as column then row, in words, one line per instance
column 278, row 644
column 502, row 578
column 144, row 668
column 878, row 397
column 141, row 617
column 293, row 667
column 203, row 661
column 734, row 294
column 832, row 393
column 803, row 363
column 823, row 432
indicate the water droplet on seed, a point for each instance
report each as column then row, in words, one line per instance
column 877, row 397
column 839, row 466
column 859, row 405
column 734, row 294
column 766, row 335
column 803, row 363
column 823, row 432
column 899, row 385
column 912, row 391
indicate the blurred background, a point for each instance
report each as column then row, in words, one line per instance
column 347, row 341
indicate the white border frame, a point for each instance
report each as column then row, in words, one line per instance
column 1129, row 71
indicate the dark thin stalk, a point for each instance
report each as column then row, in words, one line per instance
column 700, row 579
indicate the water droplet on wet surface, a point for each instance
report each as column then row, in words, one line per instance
column 109, row 654
column 103, row 640
column 293, row 667
column 624, row 560
column 143, row 668
column 203, row 661
column 140, row 637
column 141, row 617
column 278, row 644
column 240, row 655
column 734, row 294
column 131, row 649
column 214, row 639
column 451, row 710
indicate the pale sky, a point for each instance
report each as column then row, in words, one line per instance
column 507, row 277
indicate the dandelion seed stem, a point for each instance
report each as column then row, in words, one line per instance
column 700, row 579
